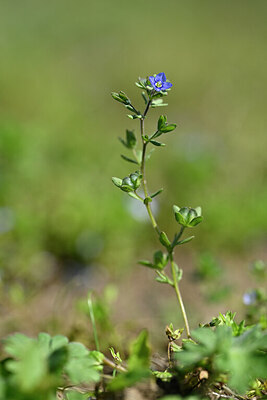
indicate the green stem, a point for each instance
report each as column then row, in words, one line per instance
column 151, row 216
column 154, row 223
column 92, row 317
column 178, row 294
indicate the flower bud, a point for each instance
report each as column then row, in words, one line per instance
column 187, row 216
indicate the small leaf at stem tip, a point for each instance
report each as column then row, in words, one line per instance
column 117, row 97
column 185, row 240
column 117, row 181
column 124, row 97
column 129, row 159
column 168, row 128
column 155, row 143
column 156, row 193
column 163, row 238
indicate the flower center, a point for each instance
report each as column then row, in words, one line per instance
column 159, row 84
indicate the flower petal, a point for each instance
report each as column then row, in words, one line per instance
column 166, row 85
column 161, row 76
column 152, row 80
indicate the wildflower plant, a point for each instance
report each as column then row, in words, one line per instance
column 154, row 89
column 220, row 359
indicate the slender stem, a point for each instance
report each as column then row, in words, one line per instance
column 169, row 352
column 92, row 317
column 147, row 108
column 111, row 364
column 154, row 223
column 139, row 197
column 151, row 216
column 178, row 294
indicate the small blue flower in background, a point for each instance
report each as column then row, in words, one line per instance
column 159, row 82
column 250, row 298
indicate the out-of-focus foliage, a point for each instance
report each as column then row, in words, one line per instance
column 243, row 358
column 36, row 368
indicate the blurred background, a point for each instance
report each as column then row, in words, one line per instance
column 64, row 228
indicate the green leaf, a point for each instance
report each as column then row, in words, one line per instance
column 57, row 360
column 168, row 128
column 138, row 365
column 147, row 264
column 160, row 259
column 176, row 209
column 185, row 240
column 131, row 139
column 117, row 97
column 156, row 193
column 135, row 116
column 198, row 211
column 31, row 367
column 195, row 221
column 159, row 105
column 164, row 376
column 128, row 379
column 74, row 395
column 180, row 219
column 82, row 366
column 161, row 122
column 58, row 341
column 134, row 196
column 117, row 181
column 15, row 344
column 129, row 159
column 178, row 272
column 155, row 143
column 163, row 238
column 162, row 278
column 144, row 97
column 139, row 352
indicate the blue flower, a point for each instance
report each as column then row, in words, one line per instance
column 159, row 82
column 250, row 298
